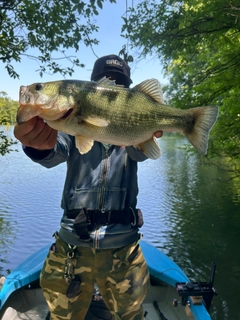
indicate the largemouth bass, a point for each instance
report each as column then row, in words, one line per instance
column 102, row 111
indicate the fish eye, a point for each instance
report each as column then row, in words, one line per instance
column 39, row 86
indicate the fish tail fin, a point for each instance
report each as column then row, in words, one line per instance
column 204, row 119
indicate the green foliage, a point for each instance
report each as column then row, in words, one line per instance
column 5, row 144
column 198, row 43
column 48, row 25
column 8, row 111
column 51, row 27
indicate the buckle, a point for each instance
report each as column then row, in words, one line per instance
column 104, row 217
column 97, row 217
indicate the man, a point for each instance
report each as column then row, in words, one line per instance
column 98, row 242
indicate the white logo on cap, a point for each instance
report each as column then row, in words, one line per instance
column 114, row 62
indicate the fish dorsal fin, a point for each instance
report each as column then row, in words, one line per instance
column 98, row 122
column 150, row 148
column 83, row 144
column 152, row 88
column 106, row 82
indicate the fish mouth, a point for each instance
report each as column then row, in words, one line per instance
column 32, row 104
column 26, row 113
column 25, row 97
column 27, row 109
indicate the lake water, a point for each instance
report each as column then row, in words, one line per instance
column 191, row 211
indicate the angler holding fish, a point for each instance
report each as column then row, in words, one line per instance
column 98, row 240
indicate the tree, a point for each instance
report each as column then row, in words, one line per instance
column 8, row 111
column 49, row 26
column 198, row 43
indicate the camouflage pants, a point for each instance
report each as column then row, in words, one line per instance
column 121, row 275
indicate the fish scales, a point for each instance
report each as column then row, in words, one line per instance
column 128, row 110
column 112, row 114
column 122, row 113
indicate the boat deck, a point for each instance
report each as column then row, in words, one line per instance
column 26, row 304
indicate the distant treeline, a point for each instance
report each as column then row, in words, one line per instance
column 8, row 109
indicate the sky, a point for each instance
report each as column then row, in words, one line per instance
column 109, row 21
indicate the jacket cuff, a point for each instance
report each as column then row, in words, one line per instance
column 36, row 154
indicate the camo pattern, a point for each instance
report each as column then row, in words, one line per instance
column 121, row 275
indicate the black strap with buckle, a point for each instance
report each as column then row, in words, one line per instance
column 83, row 219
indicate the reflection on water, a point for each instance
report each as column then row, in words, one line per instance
column 194, row 218
column 189, row 214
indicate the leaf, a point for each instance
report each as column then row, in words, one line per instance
column 99, row 3
column 46, row 27
column 130, row 58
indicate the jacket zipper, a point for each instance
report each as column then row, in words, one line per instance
column 102, row 192
column 104, row 175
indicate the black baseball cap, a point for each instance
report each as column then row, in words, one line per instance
column 112, row 64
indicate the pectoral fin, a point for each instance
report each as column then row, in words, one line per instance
column 98, row 122
column 83, row 144
column 150, row 148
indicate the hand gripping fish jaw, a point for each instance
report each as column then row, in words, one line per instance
column 197, row 291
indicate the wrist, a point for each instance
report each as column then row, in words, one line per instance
column 36, row 153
